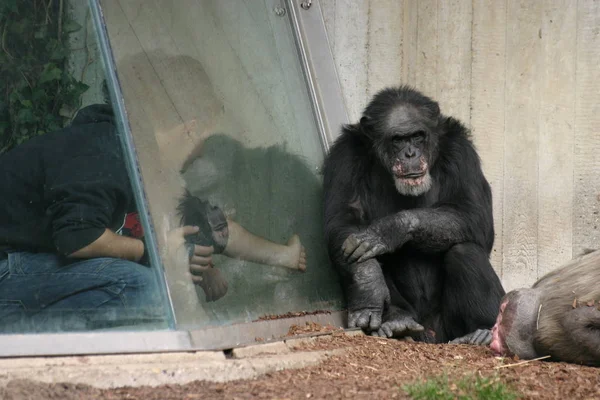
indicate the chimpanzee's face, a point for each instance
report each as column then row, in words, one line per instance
column 499, row 333
column 404, row 149
column 218, row 225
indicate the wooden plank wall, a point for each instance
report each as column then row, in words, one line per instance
column 525, row 77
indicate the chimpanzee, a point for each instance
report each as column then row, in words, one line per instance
column 409, row 225
column 559, row 316
column 211, row 221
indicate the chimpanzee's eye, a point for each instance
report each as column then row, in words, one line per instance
column 419, row 136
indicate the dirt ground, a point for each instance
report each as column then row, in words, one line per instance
column 370, row 367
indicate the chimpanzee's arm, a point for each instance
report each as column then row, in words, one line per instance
column 434, row 229
column 342, row 213
column 366, row 291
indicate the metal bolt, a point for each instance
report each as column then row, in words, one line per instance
column 279, row 11
column 306, row 4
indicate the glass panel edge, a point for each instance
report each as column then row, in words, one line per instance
column 118, row 103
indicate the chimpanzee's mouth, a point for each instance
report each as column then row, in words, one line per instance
column 412, row 175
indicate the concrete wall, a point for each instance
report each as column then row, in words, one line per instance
column 525, row 76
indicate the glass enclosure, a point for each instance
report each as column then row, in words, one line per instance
column 160, row 166
column 71, row 252
column 220, row 112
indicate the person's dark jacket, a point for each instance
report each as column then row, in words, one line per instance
column 61, row 190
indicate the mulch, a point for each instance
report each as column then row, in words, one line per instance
column 270, row 317
column 370, row 367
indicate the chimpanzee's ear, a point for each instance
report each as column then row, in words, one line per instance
column 436, row 109
column 433, row 109
column 365, row 127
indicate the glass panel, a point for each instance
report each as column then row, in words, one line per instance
column 71, row 246
column 218, row 106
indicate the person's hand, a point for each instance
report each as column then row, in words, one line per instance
column 214, row 284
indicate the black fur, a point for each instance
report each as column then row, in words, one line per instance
column 426, row 256
column 210, row 219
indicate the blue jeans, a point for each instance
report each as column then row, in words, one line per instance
column 41, row 292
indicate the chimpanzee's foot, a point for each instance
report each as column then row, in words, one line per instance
column 398, row 327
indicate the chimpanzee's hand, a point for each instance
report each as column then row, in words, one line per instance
column 481, row 337
column 214, row 284
column 181, row 254
column 200, row 260
column 204, row 274
column 368, row 295
column 177, row 251
column 359, row 247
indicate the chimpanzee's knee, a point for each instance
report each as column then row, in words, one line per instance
column 468, row 261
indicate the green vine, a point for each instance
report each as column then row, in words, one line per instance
column 37, row 92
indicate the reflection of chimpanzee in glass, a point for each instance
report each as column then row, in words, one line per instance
column 64, row 196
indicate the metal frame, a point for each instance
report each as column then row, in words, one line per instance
column 129, row 342
column 319, row 68
column 330, row 111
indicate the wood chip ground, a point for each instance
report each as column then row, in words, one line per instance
column 370, row 368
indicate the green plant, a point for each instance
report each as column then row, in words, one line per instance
column 37, row 92
column 470, row 387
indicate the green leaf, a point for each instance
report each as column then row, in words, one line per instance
column 54, row 126
column 25, row 115
column 42, row 32
column 59, row 53
column 38, row 94
column 20, row 27
column 9, row 6
column 51, row 44
column 51, row 73
column 36, row 86
column 14, row 97
column 78, row 89
column 23, row 138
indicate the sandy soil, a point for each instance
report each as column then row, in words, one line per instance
column 371, row 367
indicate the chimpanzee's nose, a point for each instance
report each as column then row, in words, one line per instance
column 410, row 152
